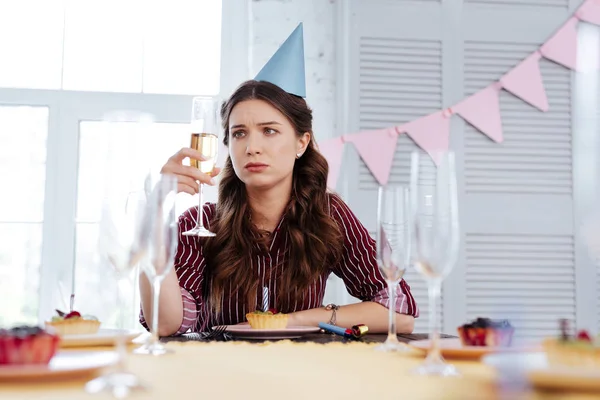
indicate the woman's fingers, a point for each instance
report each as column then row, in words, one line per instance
column 186, row 180
column 194, row 173
column 187, row 176
column 182, row 187
column 187, row 152
column 216, row 171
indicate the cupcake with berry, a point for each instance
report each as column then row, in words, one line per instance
column 486, row 332
column 27, row 345
column 574, row 350
column 73, row 323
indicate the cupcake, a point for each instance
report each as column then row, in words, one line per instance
column 267, row 319
column 486, row 332
column 27, row 345
column 580, row 350
column 73, row 324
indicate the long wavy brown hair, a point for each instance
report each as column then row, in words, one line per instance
column 314, row 238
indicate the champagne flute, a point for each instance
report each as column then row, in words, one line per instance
column 393, row 250
column 122, row 240
column 161, row 191
column 434, row 209
column 205, row 139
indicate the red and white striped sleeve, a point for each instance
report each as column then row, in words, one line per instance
column 358, row 266
column 189, row 267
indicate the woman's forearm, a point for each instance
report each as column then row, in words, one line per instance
column 372, row 314
column 170, row 307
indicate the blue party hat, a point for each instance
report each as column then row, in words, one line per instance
column 286, row 68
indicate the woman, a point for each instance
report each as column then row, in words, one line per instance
column 276, row 226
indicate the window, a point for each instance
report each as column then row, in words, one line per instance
column 23, row 133
column 94, row 56
column 91, row 277
column 112, row 45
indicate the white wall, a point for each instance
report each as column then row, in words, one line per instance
column 272, row 21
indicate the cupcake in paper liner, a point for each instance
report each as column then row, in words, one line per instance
column 267, row 320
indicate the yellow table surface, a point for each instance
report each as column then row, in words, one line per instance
column 286, row 370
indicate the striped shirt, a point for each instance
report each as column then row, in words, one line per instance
column 357, row 268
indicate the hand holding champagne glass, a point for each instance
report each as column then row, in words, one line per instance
column 205, row 140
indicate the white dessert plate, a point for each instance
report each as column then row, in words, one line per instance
column 104, row 337
column 534, row 368
column 66, row 364
column 453, row 348
column 246, row 332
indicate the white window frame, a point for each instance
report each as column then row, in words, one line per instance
column 68, row 108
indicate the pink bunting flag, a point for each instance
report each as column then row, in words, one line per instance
column 333, row 150
column 525, row 81
column 562, row 46
column 431, row 133
column 482, row 110
column 377, row 149
column 589, row 12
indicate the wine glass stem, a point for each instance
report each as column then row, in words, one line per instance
column 392, row 310
column 434, row 290
column 200, row 223
column 156, row 296
column 121, row 347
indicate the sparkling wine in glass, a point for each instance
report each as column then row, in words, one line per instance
column 393, row 250
column 204, row 139
column 161, row 220
column 435, row 227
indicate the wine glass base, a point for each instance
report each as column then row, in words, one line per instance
column 153, row 349
column 436, row 366
column 199, row 232
column 391, row 345
column 119, row 383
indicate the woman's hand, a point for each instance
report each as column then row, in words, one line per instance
column 187, row 177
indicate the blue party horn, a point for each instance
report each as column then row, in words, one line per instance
column 347, row 333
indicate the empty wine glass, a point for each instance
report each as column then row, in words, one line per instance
column 393, row 250
column 123, row 237
column 161, row 191
column 434, row 209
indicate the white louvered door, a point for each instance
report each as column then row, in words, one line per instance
column 521, row 256
column 519, row 228
column 399, row 78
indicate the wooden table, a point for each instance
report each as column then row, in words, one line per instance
column 319, row 366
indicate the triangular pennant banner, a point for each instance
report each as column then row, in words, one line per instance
column 562, row 46
column 589, row 12
column 431, row 133
column 377, row 149
column 525, row 81
column 482, row 110
column 332, row 150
